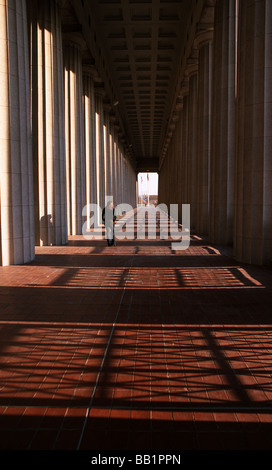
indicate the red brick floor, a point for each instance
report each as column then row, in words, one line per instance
column 135, row 347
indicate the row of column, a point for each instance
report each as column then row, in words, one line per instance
column 221, row 140
column 60, row 148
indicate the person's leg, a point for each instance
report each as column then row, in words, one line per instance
column 109, row 235
column 113, row 236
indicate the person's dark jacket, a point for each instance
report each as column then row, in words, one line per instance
column 108, row 214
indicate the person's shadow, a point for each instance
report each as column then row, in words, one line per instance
column 46, row 230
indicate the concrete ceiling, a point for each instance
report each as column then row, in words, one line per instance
column 142, row 42
column 139, row 48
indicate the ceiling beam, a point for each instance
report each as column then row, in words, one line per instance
column 147, row 164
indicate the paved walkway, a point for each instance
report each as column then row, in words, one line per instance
column 135, row 347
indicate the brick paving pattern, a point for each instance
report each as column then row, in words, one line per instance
column 135, row 347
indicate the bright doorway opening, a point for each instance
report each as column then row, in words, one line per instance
column 148, row 189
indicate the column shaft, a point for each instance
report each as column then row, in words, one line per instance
column 90, row 144
column 192, row 146
column 204, row 131
column 107, row 154
column 16, row 171
column 253, row 221
column 48, row 123
column 74, row 135
column 99, row 115
column 223, row 130
column 184, row 150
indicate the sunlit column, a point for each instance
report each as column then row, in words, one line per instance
column 119, row 188
column 133, row 185
column 48, row 123
column 204, row 43
column 253, row 221
column 115, row 155
column 90, row 142
column 127, row 188
column 16, row 172
column 116, row 163
column 122, row 175
column 122, row 187
column 107, row 153
column 112, row 156
column 99, row 130
column 117, row 171
column 223, row 130
column 74, row 137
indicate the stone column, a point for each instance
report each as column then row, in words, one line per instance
column 192, row 73
column 107, row 152
column 111, row 142
column 125, row 175
column 204, row 44
column 184, row 149
column 174, row 159
column 116, row 163
column 119, row 169
column 48, row 123
column 16, row 172
column 122, row 187
column 120, row 198
column 253, row 217
column 267, row 134
column 223, row 130
column 90, row 143
column 74, row 136
column 178, row 119
column 111, row 149
column 99, row 116
column 118, row 189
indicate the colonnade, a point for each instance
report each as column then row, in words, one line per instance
column 219, row 157
column 61, row 148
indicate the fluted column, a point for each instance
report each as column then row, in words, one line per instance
column 117, row 172
column 16, row 172
column 192, row 140
column 111, row 150
column 204, row 44
column 178, row 117
column 107, row 154
column 112, row 157
column 184, row 147
column 253, row 218
column 74, row 136
column 114, row 161
column 118, row 181
column 122, row 187
column 223, row 130
column 90, row 143
column 48, row 123
column 116, row 164
column 99, row 123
